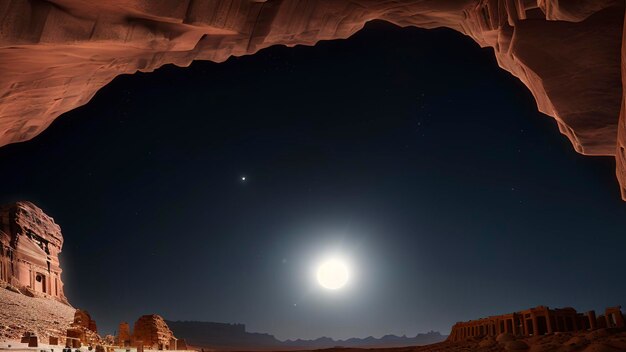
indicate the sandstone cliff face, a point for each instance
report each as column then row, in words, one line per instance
column 30, row 243
column 54, row 55
column 152, row 331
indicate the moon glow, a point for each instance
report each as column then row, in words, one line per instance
column 332, row 274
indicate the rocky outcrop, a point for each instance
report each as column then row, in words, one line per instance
column 56, row 54
column 152, row 332
column 30, row 243
column 83, row 330
column 123, row 335
column 82, row 319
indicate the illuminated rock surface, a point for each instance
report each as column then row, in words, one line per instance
column 152, row 331
column 55, row 55
column 30, row 243
column 44, row 317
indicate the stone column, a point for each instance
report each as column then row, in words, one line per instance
column 593, row 324
column 535, row 325
column 173, row 345
column 549, row 322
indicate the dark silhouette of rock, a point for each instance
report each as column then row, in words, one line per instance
column 58, row 53
column 235, row 337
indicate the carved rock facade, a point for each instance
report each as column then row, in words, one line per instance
column 537, row 322
column 56, row 54
column 30, row 243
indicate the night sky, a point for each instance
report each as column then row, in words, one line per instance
column 407, row 151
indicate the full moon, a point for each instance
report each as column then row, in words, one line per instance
column 332, row 274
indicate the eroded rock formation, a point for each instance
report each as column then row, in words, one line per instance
column 83, row 330
column 123, row 335
column 83, row 319
column 152, row 332
column 54, row 55
column 30, row 243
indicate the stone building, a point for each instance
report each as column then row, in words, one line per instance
column 30, row 243
column 537, row 321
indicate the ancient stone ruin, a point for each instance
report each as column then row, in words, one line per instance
column 36, row 311
column 30, row 243
column 83, row 331
column 151, row 331
column 537, row 321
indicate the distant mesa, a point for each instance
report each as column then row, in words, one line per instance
column 223, row 336
column 61, row 52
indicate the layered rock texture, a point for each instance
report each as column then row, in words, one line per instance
column 152, row 332
column 83, row 330
column 55, row 55
column 30, row 243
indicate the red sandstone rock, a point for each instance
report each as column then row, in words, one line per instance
column 123, row 338
column 54, row 55
column 153, row 333
column 45, row 317
column 109, row 340
column 84, row 329
column 83, row 319
column 30, row 243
